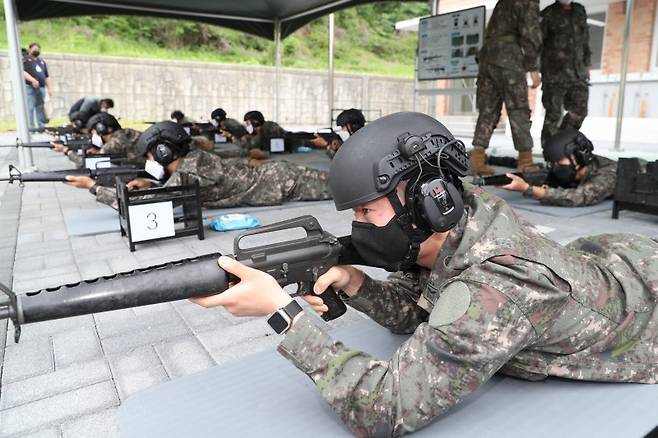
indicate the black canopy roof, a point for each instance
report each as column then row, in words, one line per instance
column 255, row 17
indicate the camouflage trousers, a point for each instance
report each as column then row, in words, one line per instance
column 495, row 86
column 572, row 96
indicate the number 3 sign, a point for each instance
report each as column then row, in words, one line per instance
column 151, row 221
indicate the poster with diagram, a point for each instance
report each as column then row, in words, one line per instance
column 449, row 43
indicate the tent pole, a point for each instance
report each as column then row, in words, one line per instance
column 330, row 90
column 622, row 73
column 277, row 67
column 16, row 72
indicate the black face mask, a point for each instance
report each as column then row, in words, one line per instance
column 388, row 247
column 564, row 174
column 36, row 53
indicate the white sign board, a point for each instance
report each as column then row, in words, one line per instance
column 97, row 162
column 151, row 221
column 277, row 145
column 449, row 43
column 220, row 139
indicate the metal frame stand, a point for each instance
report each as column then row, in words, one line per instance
column 17, row 83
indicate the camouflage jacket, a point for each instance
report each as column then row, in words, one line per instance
column 513, row 37
column 232, row 182
column 598, row 185
column 121, row 143
column 501, row 297
column 565, row 53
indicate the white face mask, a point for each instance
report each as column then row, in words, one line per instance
column 155, row 169
column 97, row 140
column 214, row 122
column 250, row 129
column 564, row 2
column 344, row 135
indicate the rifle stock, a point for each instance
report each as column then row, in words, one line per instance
column 537, row 178
column 290, row 262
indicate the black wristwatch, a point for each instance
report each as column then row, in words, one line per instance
column 528, row 193
column 93, row 189
column 281, row 320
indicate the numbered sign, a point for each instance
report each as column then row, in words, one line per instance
column 277, row 145
column 151, row 221
column 97, row 162
column 220, row 139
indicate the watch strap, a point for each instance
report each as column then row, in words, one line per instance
column 282, row 319
column 528, row 193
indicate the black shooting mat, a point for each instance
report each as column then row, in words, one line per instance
column 520, row 202
column 265, row 395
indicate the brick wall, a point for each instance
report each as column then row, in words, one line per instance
column 641, row 37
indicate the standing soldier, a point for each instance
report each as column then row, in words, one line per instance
column 511, row 49
column 565, row 61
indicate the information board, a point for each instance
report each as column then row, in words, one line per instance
column 449, row 43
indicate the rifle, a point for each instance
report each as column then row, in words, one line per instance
column 299, row 261
column 57, row 130
column 537, row 178
column 103, row 176
column 327, row 135
column 502, row 161
column 71, row 144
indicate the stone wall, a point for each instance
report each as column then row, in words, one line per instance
column 145, row 89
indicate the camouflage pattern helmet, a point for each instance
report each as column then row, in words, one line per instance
column 566, row 143
column 168, row 133
column 372, row 162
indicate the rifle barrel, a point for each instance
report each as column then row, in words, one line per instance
column 169, row 282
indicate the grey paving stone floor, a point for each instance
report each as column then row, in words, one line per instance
column 66, row 378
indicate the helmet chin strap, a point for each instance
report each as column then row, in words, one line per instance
column 416, row 235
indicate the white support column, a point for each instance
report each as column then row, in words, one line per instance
column 17, row 83
column 435, row 7
column 330, row 88
column 622, row 73
column 277, row 68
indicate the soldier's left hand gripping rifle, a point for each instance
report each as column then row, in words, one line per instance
column 103, row 176
column 298, row 261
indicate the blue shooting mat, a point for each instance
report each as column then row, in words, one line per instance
column 265, row 395
column 103, row 220
column 517, row 201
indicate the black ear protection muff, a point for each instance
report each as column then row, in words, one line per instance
column 162, row 153
column 434, row 201
column 100, row 128
column 166, row 146
column 581, row 148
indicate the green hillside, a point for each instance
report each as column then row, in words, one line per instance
column 366, row 40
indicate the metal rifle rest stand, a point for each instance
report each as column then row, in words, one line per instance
column 636, row 189
column 187, row 196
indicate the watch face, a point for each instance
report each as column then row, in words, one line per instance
column 278, row 322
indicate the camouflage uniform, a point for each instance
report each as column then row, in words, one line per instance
column 597, row 186
column 511, row 48
column 500, row 297
column 121, row 143
column 565, row 58
column 232, row 182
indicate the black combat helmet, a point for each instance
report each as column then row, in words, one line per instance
column 218, row 114
column 103, row 123
column 566, row 143
column 352, row 116
column 169, row 133
column 372, row 162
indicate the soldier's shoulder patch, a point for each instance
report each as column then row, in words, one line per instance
column 452, row 304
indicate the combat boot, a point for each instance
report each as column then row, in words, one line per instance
column 479, row 162
column 525, row 163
